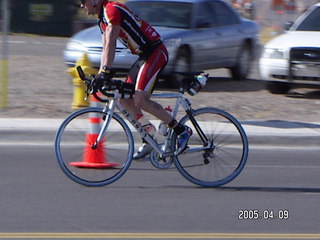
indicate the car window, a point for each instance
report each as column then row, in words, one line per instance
column 205, row 17
column 311, row 22
column 165, row 14
column 223, row 13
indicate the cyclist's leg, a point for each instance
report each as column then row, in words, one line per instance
column 145, row 80
column 147, row 104
column 144, row 74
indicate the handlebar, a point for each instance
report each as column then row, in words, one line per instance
column 107, row 88
column 126, row 90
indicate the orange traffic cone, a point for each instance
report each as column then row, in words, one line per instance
column 94, row 157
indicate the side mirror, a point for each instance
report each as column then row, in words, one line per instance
column 287, row 25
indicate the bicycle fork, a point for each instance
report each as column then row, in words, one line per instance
column 109, row 110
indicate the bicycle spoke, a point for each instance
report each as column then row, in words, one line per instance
column 225, row 154
column 86, row 163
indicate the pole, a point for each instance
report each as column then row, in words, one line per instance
column 4, row 60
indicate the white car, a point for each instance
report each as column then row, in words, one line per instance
column 293, row 57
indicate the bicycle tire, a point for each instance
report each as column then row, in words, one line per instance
column 88, row 166
column 222, row 162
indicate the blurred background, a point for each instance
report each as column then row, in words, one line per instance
column 64, row 17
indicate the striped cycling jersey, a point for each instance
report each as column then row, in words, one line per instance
column 135, row 33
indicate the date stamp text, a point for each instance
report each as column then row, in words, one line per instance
column 255, row 214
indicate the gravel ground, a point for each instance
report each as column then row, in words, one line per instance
column 40, row 87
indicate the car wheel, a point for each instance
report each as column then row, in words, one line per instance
column 278, row 87
column 182, row 63
column 242, row 69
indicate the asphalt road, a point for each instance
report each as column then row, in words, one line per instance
column 37, row 198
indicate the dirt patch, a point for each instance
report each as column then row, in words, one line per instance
column 40, row 87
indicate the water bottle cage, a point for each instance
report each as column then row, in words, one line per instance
column 197, row 84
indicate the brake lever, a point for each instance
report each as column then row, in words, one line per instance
column 89, row 87
column 87, row 93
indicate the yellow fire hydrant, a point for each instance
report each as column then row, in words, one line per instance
column 79, row 86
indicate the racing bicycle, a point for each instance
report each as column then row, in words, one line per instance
column 94, row 146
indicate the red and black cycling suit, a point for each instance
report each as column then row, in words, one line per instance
column 142, row 39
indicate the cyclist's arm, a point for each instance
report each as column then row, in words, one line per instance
column 109, row 41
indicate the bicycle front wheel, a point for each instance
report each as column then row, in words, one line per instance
column 218, row 148
column 84, row 160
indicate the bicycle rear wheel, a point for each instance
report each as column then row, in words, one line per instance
column 217, row 157
column 92, row 165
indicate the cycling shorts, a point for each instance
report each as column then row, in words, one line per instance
column 144, row 72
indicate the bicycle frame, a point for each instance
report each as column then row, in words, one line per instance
column 180, row 101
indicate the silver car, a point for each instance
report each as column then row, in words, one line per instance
column 199, row 35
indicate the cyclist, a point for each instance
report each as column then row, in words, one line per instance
column 117, row 21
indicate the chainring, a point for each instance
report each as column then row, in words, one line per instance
column 161, row 163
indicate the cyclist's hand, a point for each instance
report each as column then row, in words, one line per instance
column 103, row 77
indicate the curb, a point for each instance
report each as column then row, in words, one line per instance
column 272, row 133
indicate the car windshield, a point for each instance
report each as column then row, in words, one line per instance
column 164, row 14
column 311, row 22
